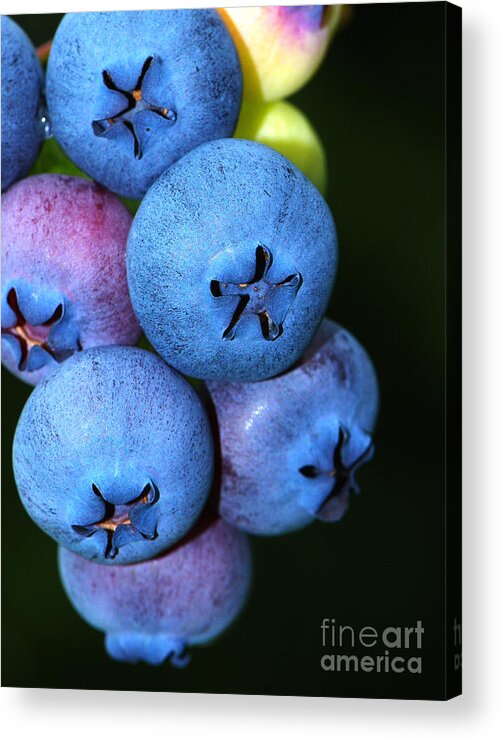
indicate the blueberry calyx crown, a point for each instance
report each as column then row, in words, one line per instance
column 135, row 104
column 260, row 297
column 122, row 523
column 154, row 649
column 342, row 473
column 50, row 335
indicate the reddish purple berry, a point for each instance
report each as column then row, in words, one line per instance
column 64, row 285
column 156, row 609
column 291, row 445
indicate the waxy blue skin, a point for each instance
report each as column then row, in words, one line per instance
column 131, row 92
column 290, row 446
column 154, row 610
column 22, row 85
column 231, row 260
column 113, row 455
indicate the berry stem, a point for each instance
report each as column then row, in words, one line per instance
column 43, row 51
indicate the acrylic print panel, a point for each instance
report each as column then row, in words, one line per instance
column 225, row 241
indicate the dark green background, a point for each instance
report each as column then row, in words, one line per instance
column 378, row 104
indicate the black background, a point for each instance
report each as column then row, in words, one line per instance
column 378, row 105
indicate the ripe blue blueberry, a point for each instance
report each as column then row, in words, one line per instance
column 22, row 83
column 113, row 455
column 64, row 286
column 155, row 610
column 231, row 260
column 131, row 92
column 291, row 446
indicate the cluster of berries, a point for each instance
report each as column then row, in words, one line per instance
column 149, row 481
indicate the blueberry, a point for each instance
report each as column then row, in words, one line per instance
column 64, row 285
column 131, row 92
column 291, row 446
column 22, row 83
column 155, row 610
column 231, row 260
column 113, row 455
